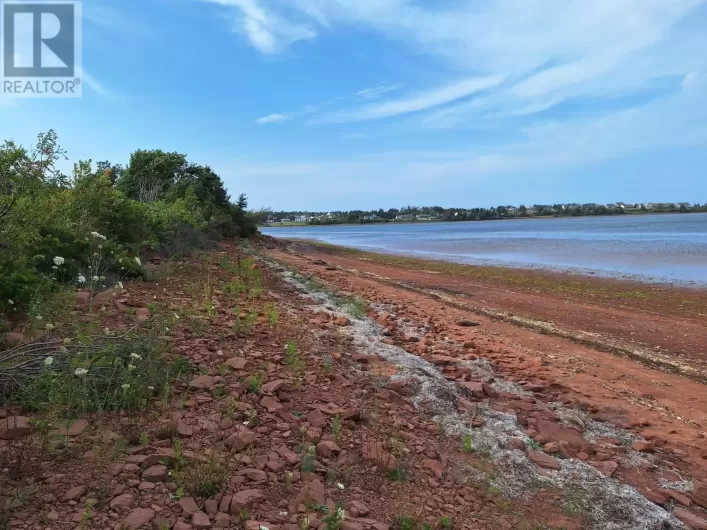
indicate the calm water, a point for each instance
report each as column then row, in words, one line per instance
column 664, row 247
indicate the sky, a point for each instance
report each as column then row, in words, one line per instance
column 359, row 104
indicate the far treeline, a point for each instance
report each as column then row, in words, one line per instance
column 89, row 229
column 437, row 213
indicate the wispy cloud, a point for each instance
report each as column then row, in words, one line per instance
column 273, row 118
column 265, row 29
column 413, row 103
column 376, row 91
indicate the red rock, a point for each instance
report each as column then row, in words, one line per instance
column 137, row 518
column 155, row 474
column 435, row 466
column 543, row 460
column 316, row 418
column 202, row 382
column 554, row 432
column 270, row 404
column 656, row 496
column 375, row 452
column 125, row 500
column 236, row 363
column 699, row 495
column 222, row 520
column 342, row 322
column 289, row 455
column 607, row 468
column 360, row 509
column 680, row 498
column 240, row 439
column 200, row 521
column 517, row 444
column 74, row 493
column 255, row 475
column 310, row 494
column 643, row 446
column 690, row 519
column 180, row 525
column 328, row 448
column 273, row 386
column 463, row 404
column 14, row 427
column 476, row 388
column 188, row 506
column 353, row 414
column 246, row 499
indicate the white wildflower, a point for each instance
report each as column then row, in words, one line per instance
column 55, row 267
column 340, row 486
column 283, row 514
column 263, row 527
column 100, row 246
column 131, row 367
column 58, row 261
column 39, row 317
column 95, row 278
column 98, row 236
column 62, row 349
column 11, row 302
column 48, row 361
column 103, row 309
column 125, row 386
column 119, row 285
column 49, row 326
column 151, row 388
column 246, row 423
column 135, row 356
column 340, row 513
column 82, row 279
column 80, row 372
column 137, row 260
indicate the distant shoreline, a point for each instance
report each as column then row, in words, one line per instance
column 295, row 224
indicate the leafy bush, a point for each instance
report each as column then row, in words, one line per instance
column 159, row 202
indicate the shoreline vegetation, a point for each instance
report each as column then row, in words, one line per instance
column 414, row 214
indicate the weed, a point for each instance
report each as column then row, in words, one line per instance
column 353, row 306
column 255, row 383
column 333, row 520
column 205, row 477
column 144, row 439
column 445, row 522
column 222, row 370
column 533, row 444
column 272, row 314
column 468, row 444
column 244, row 323
column 336, row 427
column 177, row 494
column 398, row 474
column 407, row 523
column 309, row 461
column 244, row 514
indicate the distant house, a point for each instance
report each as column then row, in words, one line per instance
column 406, row 217
column 426, row 218
column 301, row 219
column 373, row 217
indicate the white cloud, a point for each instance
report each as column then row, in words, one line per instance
column 266, row 30
column 376, row 91
column 414, row 103
column 273, row 118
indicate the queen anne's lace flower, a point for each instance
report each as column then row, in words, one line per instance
column 131, row 367
column 95, row 278
column 125, row 386
column 98, row 236
column 48, row 361
column 80, row 372
column 48, row 326
column 137, row 260
column 58, row 261
column 82, row 279
column 135, row 356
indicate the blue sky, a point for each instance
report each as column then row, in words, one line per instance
column 343, row 104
